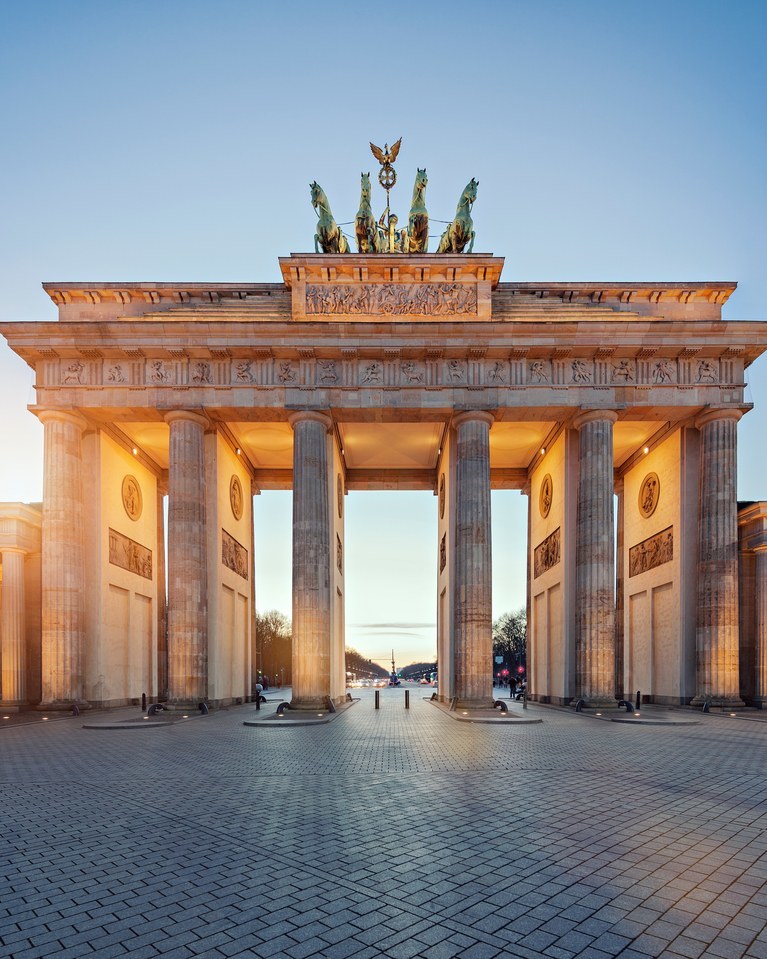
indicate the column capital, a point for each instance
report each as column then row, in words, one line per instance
column 173, row 416
column 590, row 416
column 13, row 549
column 68, row 417
column 473, row 416
column 318, row 416
column 717, row 413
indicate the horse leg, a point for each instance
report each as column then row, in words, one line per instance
column 316, row 243
column 471, row 244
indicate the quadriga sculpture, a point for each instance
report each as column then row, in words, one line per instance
column 415, row 239
column 461, row 230
column 328, row 235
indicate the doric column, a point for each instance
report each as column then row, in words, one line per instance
column 760, row 625
column 594, row 560
column 12, row 629
column 619, row 591
column 718, row 678
column 63, row 560
column 162, row 600
column 473, row 653
column 187, row 568
column 311, row 560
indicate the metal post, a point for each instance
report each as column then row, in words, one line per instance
column 143, row 702
column 407, row 699
column 378, row 698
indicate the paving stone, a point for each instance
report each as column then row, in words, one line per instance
column 336, row 850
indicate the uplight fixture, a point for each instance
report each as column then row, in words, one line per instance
column 646, row 450
column 135, row 451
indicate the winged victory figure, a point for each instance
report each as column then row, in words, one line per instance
column 386, row 156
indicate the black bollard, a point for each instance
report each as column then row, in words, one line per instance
column 639, row 700
column 378, row 699
column 407, row 699
column 143, row 702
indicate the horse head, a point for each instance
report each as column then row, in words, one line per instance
column 364, row 187
column 469, row 194
column 420, row 178
column 318, row 195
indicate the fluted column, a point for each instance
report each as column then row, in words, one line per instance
column 718, row 675
column 473, row 653
column 12, row 631
column 162, row 600
column 311, row 560
column 619, row 591
column 760, row 625
column 62, row 560
column 187, row 569
column 594, row 560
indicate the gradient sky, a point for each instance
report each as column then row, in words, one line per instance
column 176, row 140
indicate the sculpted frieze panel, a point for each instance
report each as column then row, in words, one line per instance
column 421, row 299
column 128, row 554
column 547, row 554
column 242, row 371
column 73, row 373
column 664, row 371
column 582, row 371
column 651, row 552
column 234, row 555
column 160, row 373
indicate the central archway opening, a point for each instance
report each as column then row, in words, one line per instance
column 391, row 563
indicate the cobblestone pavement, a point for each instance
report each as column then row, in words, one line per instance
column 384, row 833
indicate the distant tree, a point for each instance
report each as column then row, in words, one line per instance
column 418, row 670
column 361, row 667
column 274, row 642
column 510, row 639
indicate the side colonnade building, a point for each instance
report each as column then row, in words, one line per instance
column 168, row 403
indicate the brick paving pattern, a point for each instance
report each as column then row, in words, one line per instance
column 384, row 833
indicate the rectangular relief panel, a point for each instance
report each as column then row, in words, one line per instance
column 128, row 554
column 547, row 554
column 652, row 552
column 234, row 555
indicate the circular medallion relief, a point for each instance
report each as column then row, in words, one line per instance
column 442, row 496
column 649, row 494
column 546, row 495
column 340, row 495
column 235, row 496
column 132, row 499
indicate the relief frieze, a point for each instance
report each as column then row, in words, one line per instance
column 234, row 555
column 651, row 552
column 421, row 299
column 128, row 554
column 546, row 554
column 395, row 371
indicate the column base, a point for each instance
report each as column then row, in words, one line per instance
column 726, row 702
column 13, row 707
column 313, row 704
column 472, row 703
column 597, row 702
column 61, row 707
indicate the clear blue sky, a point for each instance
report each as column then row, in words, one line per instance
column 175, row 140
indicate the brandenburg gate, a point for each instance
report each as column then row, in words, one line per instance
column 389, row 371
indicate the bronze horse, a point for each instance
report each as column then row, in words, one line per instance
column 328, row 235
column 415, row 239
column 461, row 230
